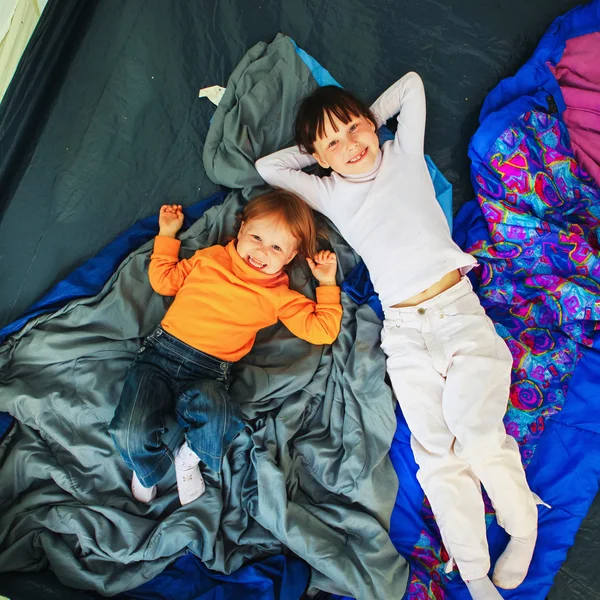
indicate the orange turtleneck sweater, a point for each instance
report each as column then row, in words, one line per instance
column 221, row 302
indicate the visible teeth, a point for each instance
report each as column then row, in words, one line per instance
column 357, row 158
column 256, row 263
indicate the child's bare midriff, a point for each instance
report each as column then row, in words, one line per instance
column 445, row 283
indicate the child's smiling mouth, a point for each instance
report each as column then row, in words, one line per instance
column 358, row 157
column 257, row 264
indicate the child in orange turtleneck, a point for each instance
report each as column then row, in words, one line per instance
column 223, row 296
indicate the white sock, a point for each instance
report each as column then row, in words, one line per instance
column 483, row 589
column 513, row 564
column 190, row 483
column 141, row 493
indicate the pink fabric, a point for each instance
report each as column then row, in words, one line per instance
column 578, row 74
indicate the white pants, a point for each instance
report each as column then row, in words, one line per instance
column 451, row 373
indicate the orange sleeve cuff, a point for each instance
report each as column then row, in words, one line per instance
column 166, row 246
column 328, row 294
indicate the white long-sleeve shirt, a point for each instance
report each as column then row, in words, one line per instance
column 389, row 215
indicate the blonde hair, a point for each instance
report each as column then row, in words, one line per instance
column 297, row 216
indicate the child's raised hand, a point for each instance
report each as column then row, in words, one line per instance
column 170, row 219
column 324, row 267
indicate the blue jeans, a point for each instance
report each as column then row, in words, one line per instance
column 170, row 376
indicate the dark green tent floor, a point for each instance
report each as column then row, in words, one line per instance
column 115, row 127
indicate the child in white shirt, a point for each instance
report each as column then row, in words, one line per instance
column 449, row 368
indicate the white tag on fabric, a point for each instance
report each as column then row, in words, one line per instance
column 214, row 93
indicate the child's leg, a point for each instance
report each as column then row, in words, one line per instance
column 450, row 486
column 138, row 423
column 204, row 409
column 475, row 402
column 211, row 421
column 483, row 589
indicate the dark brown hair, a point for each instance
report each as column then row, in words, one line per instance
column 293, row 212
column 325, row 103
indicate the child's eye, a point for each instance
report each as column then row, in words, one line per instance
column 332, row 144
column 276, row 248
column 353, row 127
column 256, row 237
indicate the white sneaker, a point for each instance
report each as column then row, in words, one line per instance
column 141, row 493
column 190, row 483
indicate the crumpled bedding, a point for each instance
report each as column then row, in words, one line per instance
column 310, row 472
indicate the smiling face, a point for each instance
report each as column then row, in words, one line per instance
column 266, row 244
column 347, row 148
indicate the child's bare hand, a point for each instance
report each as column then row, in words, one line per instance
column 324, row 267
column 170, row 219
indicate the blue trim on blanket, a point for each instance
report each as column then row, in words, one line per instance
column 321, row 74
column 275, row 578
column 6, row 422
